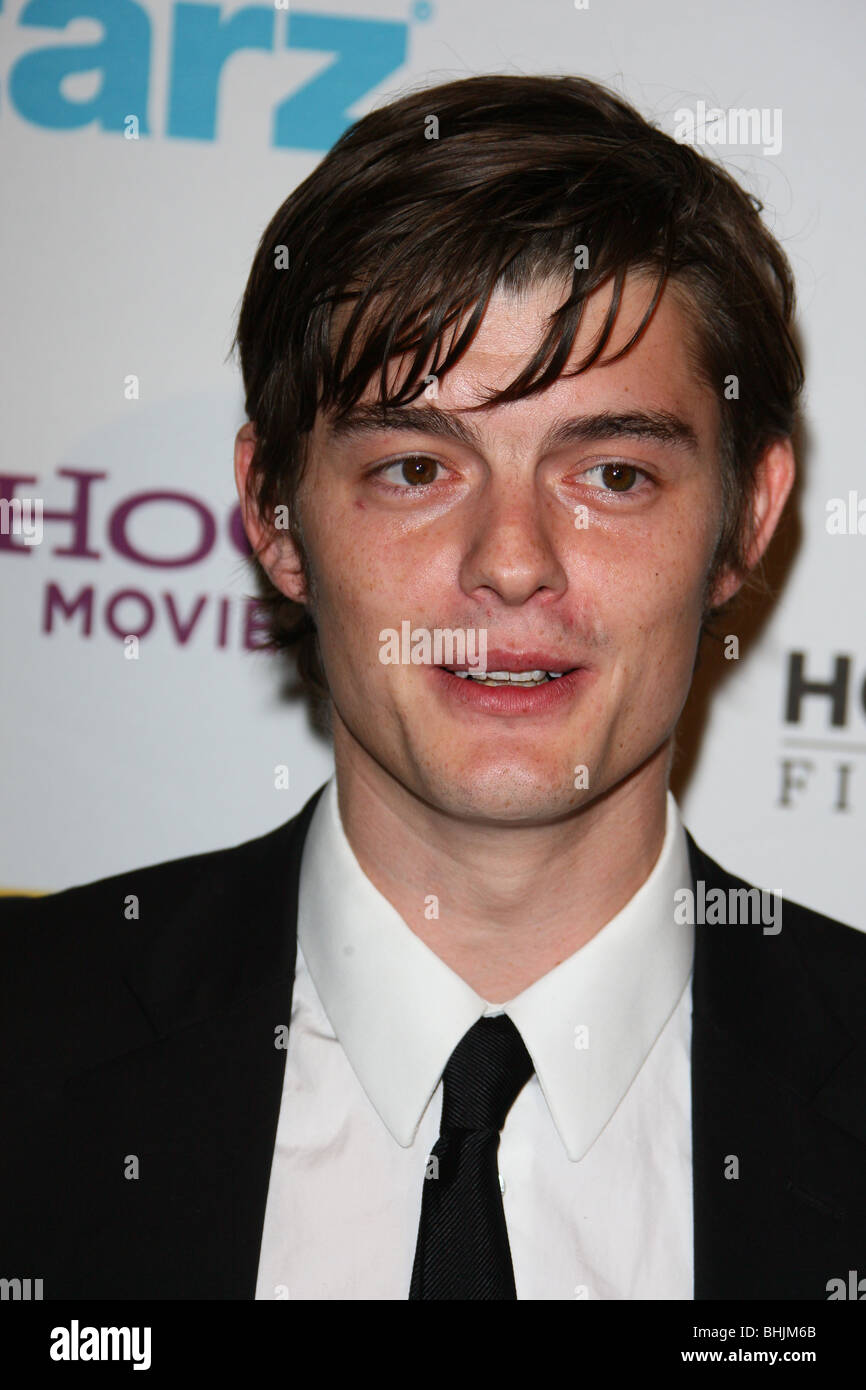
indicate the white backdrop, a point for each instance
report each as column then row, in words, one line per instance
column 125, row 257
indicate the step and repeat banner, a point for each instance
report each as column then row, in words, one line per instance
column 144, row 146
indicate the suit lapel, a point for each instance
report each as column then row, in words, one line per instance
column 777, row 1113
column 208, row 1144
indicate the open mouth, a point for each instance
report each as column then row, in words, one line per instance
column 523, row 679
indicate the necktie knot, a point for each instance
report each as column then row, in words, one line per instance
column 485, row 1073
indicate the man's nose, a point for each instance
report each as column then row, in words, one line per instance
column 511, row 545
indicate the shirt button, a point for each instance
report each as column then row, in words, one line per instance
column 501, row 1183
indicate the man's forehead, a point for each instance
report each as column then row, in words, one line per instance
column 649, row 391
column 515, row 320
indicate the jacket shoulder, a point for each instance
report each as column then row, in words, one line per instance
column 66, row 958
column 168, row 887
column 810, row 926
column 819, row 948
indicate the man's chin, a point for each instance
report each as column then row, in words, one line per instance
column 506, row 795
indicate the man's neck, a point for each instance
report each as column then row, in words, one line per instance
column 502, row 905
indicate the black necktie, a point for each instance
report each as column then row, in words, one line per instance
column 463, row 1249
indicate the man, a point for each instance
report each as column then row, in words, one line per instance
column 519, row 373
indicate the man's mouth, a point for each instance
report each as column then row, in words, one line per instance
column 521, row 678
column 508, row 683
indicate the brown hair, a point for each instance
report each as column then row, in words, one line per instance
column 419, row 232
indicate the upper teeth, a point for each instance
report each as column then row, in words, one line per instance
column 509, row 677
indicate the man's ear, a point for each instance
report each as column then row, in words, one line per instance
column 276, row 551
column 774, row 478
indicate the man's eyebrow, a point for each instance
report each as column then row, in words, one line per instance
column 660, row 426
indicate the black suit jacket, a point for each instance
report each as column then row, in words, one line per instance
column 153, row 1040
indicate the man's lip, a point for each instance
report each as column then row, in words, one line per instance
column 498, row 660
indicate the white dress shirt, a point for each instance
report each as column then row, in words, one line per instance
column 595, row 1158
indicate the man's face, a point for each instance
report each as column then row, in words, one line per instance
column 480, row 533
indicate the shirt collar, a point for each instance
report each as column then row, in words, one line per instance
column 399, row 1011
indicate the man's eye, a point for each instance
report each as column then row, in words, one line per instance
column 617, row 477
column 415, row 470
